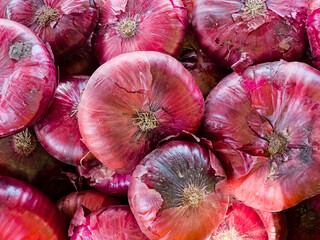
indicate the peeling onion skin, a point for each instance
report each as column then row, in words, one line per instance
column 266, row 133
column 275, row 223
column 313, row 31
column 112, row 223
column 237, row 37
column 25, row 213
column 70, row 24
column 58, row 129
column 159, row 195
column 150, row 86
column 28, row 78
column 156, row 25
column 91, row 200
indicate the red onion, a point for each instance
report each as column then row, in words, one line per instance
column 58, row 130
column 115, row 222
column 313, row 31
column 265, row 127
column 132, row 102
column 3, row 6
column 239, row 33
column 105, row 180
column 28, row 77
column 91, row 200
column 25, row 213
column 64, row 24
column 179, row 192
column 135, row 25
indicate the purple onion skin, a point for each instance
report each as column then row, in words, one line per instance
column 26, row 213
column 58, row 129
column 236, row 37
column 72, row 26
column 313, row 31
column 112, row 223
column 28, row 78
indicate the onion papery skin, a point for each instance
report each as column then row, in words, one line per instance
column 189, row 5
column 130, row 84
column 3, row 6
column 71, row 26
column 160, row 189
column 313, row 31
column 26, row 213
column 275, row 223
column 236, row 38
column 105, row 180
column 264, row 124
column 58, row 130
column 157, row 25
column 91, row 200
column 28, row 78
column 112, row 223
column 303, row 220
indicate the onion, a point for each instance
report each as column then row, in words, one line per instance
column 64, row 24
column 3, row 6
column 135, row 25
column 239, row 33
column 25, row 213
column 132, row 102
column 179, row 192
column 91, row 200
column 28, row 78
column 313, row 31
column 189, row 5
column 58, row 130
column 105, row 180
column 264, row 124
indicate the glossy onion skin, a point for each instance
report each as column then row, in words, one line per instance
column 26, row 213
column 76, row 21
column 243, row 110
column 26, row 85
column 313, row 31
column 112, row 223
column 156, row 192
column 139, row 81
column 161, row 26
column 236, row 40
column 58, row 129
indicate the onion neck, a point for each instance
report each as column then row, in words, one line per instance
column 145, row 120
column 254, row 8
column 128, row 28
column 24, row 143
column 277, row 144
column 309, row 218
column 46, row 15
column 192, row 196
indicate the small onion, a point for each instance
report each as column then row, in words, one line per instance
column 25, row 213
column 265, row 128
column 240, row 33
column 178, row 192
column 112, row 223
column 28, row 77
column 133, row 101
column 64, row 24
column 135, row 25
column 58, row 130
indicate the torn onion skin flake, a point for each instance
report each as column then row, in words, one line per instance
column 135, row 25
column 179, row 192
column 26, row 213
column 240, row 33
column 28, row 78
column 132, row 102
column 265, row 129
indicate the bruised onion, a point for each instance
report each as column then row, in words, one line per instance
column 28, row 77
column 265, row 128
column 132, row 102
column 26, row 213
column 240, row 33
column 111, row 223
column 58, row 130
column 178, row 192
column 64, row 24
column 134, row 25
column 313, row 31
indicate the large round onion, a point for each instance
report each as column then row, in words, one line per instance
column 135, row 25
column 64, row 24
column 27, row 79
column 239, row 33
column 25, row 213
column 178, row 192
column 58, row 130
column 133, row 101
column 266, row 126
